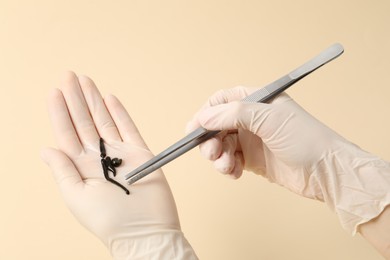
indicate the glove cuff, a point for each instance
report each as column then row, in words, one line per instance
column 163, row 244
column 355, row 184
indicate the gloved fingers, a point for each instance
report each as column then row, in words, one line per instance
column 79, row 111
column 281, row 98
column 230, row 116
column 62, row 124
column 100, row 115
column 192, row 125
column 237, row 94
column 220, row 97
column 65, row 173
column 212, row 148
column 227, row 161
column 127, row 129
column 228, row 95
column 238, row 165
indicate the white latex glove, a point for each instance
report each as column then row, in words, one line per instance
column 285, row 144
column 142, row 225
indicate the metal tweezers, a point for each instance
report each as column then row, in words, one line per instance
column 262, row 95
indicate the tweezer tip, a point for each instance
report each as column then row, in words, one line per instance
column 131, row 181
column 130, row 175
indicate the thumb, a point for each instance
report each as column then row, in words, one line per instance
column 230, row 116
column 65, row 173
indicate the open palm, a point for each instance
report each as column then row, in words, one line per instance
column 80, row 117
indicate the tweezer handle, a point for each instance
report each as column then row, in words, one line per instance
column 262, row 95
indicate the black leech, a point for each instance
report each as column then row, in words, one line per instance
column 109, row 164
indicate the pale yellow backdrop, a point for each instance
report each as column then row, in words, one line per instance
column 163, row 59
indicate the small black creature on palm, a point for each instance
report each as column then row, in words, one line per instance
column 109, row 164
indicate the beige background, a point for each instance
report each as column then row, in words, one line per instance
column 163, row 59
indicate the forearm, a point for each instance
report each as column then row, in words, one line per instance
column 377, row 232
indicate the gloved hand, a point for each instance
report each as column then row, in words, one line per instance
column 285, row 144
column 141, row 225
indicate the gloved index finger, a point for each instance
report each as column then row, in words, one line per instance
column 220, row 97
column 229, row 95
